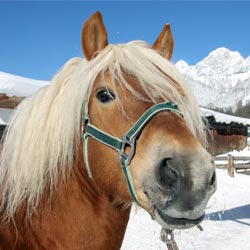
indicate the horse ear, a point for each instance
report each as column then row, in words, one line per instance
column 94, row 36
column 165, row 42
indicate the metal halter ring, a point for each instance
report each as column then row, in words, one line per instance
column 125, row 144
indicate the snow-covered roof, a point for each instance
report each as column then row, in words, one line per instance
column 13, row 85
column 5, row 115
column 224, row 118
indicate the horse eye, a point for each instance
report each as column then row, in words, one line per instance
column 105, row 96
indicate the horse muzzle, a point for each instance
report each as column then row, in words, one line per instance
column 178, row 191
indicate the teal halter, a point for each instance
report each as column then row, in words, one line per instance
column 127, row 141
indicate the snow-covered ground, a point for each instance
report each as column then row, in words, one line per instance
column 227, row 225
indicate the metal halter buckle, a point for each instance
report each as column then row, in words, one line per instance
column 125, row 144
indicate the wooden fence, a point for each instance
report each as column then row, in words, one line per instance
column 233, row 163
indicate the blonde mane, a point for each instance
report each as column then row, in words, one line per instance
column 44, row 132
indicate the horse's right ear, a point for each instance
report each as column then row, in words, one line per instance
column 94, row 36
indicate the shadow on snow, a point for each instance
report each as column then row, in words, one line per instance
column 236, row 214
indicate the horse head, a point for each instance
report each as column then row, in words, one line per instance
column 171, row 174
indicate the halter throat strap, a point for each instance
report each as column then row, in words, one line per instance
column 126, row 143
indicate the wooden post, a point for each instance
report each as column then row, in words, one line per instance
column 230, row 166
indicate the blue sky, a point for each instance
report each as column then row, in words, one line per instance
column 38, row 37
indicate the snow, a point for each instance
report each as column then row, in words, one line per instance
column 13, row 85
column 226, row 227
column 5, row 115
column 244, row 152
column 223, row 118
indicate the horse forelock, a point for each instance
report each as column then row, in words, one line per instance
column 44, row 133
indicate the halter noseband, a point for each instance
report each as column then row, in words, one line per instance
column 127, row 141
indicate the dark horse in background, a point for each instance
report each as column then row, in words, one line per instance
column 119, row 126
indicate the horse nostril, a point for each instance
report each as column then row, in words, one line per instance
column 168, row 174
column 213, row 178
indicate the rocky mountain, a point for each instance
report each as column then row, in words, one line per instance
column 221, row 81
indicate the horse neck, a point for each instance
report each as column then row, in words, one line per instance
column 78, row 216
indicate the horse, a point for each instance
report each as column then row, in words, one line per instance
column 117, row 126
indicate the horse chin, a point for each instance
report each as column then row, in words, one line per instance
column 169, row 222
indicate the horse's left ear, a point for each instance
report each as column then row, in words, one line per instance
column 165, row 42
column 94, row 36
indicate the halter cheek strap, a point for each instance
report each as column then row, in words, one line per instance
column 126, row 142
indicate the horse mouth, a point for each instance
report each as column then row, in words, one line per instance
column 169, row 222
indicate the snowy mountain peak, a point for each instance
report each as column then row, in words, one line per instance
column 182, row 66
column 224, row 55
column 221, row 80
column 221, row 60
